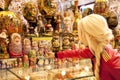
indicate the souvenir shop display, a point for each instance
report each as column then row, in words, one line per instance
column 31, row 32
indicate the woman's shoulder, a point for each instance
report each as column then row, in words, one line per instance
column 113, row 57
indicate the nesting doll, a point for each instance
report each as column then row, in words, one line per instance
column 35, row 46
column 26, row 46
column 15, row 46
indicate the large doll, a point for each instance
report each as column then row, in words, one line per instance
column 15, row 46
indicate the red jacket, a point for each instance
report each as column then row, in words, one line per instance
column 109, row 70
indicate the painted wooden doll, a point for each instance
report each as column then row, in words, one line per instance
column 26, row 46
column 15, row 46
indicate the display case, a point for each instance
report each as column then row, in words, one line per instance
column 80, row 69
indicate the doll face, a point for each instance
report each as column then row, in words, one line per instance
column 67, row 20
column 17, row 40
column 27, row 42
column 34, row 43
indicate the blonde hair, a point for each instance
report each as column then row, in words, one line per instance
column 94, row 32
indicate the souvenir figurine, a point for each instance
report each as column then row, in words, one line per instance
column 100, row 6
column 47, row 7
column 76, row 40
column 35, row 46
column 2, row 4
column 48, row 28
column 66, row 41
column 30, row 12
column 59, row 23
column 40, row 26
column 56, row 42
column 41, row 49
column 25, row 61
column 32, row 59
column 67, row 22
column 77, row 16
column 26, row 46
column 15, row 46
column 53, row 3
column 3, row 45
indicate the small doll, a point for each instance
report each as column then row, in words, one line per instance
column 3, row 44
column 26, row 46
column 59, row 23
column 25, row 61
column 35, row 46
column 55, row 42
column 41, row 49
column 15, row 46
column 67, row 22
column 48, row 28
column 66, row 42
column 32, row 59
column 40, row 26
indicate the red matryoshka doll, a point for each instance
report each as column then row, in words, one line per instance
column 15, row 46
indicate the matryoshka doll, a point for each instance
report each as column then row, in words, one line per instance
column 26, row 46
column 32, row 59
column 15, row 46
column 41, row 49
column 35, row 45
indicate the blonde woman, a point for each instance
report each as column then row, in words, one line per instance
column 96, row 35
